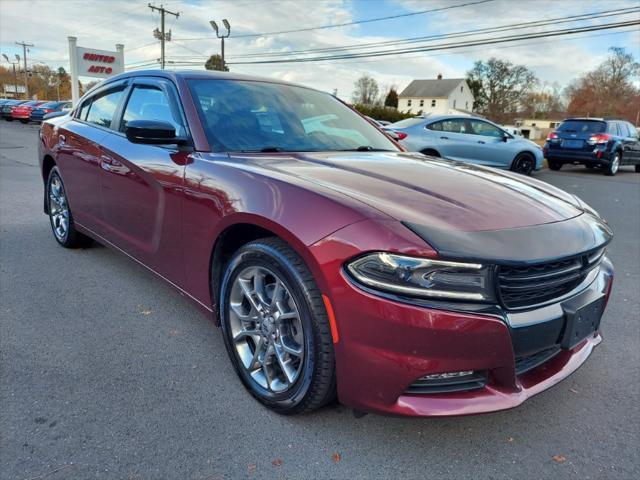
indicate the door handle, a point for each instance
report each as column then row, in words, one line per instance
column 444, row 138
column 481, row 141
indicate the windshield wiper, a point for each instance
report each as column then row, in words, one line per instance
column 366, row 148
column 271, row 148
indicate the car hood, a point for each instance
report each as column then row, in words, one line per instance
column 419, row 190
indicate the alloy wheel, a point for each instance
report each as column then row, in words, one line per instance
column 266, row 329
column 58, row 209
column 615, row 164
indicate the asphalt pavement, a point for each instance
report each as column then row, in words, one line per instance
column 107, row 372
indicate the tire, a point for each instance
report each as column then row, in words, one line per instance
column 60, row 217
column 8, row 119
column 638, row 168
column 22, row 120
column 554, row 165
column 614, row 165
column 429, row 152
column 261, row 347
column 524, row 163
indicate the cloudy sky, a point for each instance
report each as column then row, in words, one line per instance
column 103, row 23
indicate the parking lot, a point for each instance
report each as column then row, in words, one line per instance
column 107, row 372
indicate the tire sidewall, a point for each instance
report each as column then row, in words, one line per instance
column 523, row 157
column 263, row 255
column 55, row 172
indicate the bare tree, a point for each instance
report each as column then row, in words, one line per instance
column 366, row 91
column 499, row 87
column 609, row 89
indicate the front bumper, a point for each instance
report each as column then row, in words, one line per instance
column 386, row 345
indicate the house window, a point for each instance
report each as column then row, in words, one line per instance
column 433, row 103
column 422, row 103
column 552, row 125
column 466, row 105
column 409, row 103
column 454, row 103
column 533, row 124
column 461, row 89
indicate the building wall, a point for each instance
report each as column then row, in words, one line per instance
column 539, row 123
column 461, row 98
column 415, row 105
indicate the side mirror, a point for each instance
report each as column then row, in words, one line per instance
column 506, row 136
column 152, row 132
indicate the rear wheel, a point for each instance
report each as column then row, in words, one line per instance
column 60, row 216
column 614, row 165
column 524, row 163
column 638, row 168
column 554, row 165
column 276, row 329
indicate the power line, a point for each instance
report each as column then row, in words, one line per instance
column 446, row 46
column 463, row 33
column 346, row 24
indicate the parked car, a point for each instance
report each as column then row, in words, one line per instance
column 334, row 262
column 515, row 131
column 594, row 142
column 7, row 107
column 468, row 139
column 21, row 112
column 38, row 113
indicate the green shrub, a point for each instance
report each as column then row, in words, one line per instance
column 379, row 112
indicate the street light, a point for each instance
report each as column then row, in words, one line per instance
column 221, row 36
column 15, row 76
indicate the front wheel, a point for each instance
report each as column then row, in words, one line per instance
column 276, row 329
column 524, row 164
column 60, row 217
column 613, row 166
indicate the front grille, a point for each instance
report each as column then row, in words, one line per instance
column 523, row 286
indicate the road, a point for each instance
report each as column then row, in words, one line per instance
column 109, row 373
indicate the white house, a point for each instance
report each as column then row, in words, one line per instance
column 437, row 96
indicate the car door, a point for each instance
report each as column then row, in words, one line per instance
column 487, row 144
column 630, row 143
column 142, row 185
column 450, row 136
column 78, row 154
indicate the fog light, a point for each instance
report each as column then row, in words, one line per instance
column 442, row 376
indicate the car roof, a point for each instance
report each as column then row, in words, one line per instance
column 199, row 74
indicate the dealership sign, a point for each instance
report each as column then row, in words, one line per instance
column 90, row 62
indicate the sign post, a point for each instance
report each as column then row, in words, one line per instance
column 89, row 62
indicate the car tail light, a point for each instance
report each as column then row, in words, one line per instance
column 552, row 136
column 401, row 135
column 599, row 138
column 48, row 110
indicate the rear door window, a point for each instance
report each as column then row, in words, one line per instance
column 103, row 107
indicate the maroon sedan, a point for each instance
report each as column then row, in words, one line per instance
column 335, row 263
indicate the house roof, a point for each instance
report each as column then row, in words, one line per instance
column 431, row 88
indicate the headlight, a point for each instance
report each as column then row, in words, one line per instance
column 423, row 277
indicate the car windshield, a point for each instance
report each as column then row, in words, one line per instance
column 407, row 122
column 582, row 126
column 251, row 116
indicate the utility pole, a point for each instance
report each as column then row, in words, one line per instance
column 24, row 58
column 160, row 34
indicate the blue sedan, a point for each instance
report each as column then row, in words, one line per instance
column 468, row 139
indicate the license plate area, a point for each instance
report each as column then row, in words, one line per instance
column 582, row 321
column 572, row 143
